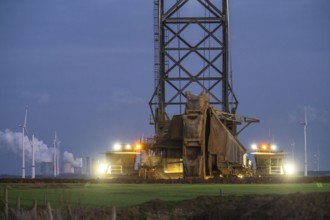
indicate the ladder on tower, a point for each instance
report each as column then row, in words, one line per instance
column 156, row 44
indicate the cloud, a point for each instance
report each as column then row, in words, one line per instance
column 41, row 98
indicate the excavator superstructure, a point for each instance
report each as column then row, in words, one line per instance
column 196, row 144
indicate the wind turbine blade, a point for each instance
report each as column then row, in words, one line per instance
column 25, row 118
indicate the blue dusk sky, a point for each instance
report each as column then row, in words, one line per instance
column 85, row 68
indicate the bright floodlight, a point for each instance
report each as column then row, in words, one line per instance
column 102, row 168
column 254, row 147
column 138, row 147
column 117, row 146
column 128, row 147
column 289, row 169
column 273, row 147
column 264, row 147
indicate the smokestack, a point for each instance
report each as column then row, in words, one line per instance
column 78, row 165
column 47, row 169
column 56, row 158
column 88, row 166
column 33, row 160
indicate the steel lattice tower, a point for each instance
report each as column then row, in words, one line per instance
column 191, row 54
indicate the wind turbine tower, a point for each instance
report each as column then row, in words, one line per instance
column 23, row 147
column 305, row 141
column 33, row 167
column 58, row 156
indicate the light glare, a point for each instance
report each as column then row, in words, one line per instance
column 117, row 146
column 273, row 147
column 289, row 169
column 102, row 168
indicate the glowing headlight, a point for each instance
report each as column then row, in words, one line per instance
column 138, row 147
column 254, row 147
column 102, row 168
column 273, row 147
column 289, row 169
column 128, row 147
column 117, row 146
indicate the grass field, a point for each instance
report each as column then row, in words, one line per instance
column 122, row 195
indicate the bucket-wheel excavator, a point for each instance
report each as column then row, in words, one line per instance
column 193, row 106
column 193, row 81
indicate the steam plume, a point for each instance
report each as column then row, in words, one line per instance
column 69, row 158
column 12, row 141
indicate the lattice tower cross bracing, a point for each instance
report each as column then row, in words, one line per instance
column 191, row 54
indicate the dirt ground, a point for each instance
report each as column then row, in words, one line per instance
column 292, row 206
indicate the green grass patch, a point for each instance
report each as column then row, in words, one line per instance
column 121, row 195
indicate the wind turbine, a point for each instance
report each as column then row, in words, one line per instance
column 58, row 156
column 24, row 130
column 305, row 142
column 23, row 147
